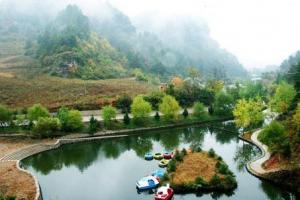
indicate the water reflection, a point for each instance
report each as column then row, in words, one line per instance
column 109, row 168
column 244, row 154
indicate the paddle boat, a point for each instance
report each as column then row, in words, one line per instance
column 159, row 173
column 158, row 156
column 164, row 193
column 163, row 163
column 147, row 183
column 148, row 156
column 168, row 155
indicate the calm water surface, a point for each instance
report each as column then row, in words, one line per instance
column 108, row 169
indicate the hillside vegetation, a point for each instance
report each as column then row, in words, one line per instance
column 69, row 42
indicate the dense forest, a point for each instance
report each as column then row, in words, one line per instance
column 106, row 44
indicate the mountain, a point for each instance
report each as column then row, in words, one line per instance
column 106, row 44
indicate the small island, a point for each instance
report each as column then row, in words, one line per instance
column 199, row 171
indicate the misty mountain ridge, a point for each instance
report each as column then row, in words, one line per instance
column 106, row 44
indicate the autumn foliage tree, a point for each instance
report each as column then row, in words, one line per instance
column 248, row 112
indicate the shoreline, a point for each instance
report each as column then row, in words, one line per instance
column 30, row 150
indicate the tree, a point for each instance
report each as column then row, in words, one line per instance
column 284, row 95
column 177, row 82
column 193, row 73
column 93, row 125
column 154, row 98
column 108, row 113
column 71, row 120
column 185, row 113
column 198, row 109
column 140, row 109
column 5, row 114
column 46, row 126
column 126, row 119
column 215, row 86
column 248, row 113
column 253, row 90
column 169, row 107
column 37, row 111
column 223, row 104
column 124, row 103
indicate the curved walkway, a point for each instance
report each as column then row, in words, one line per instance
column 255, row 166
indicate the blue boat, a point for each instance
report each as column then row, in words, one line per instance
column 147, row 183
column 159, row 173
column 148, row 156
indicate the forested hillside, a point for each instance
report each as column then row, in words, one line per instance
column 106, row 44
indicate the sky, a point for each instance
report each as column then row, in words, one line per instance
column 258, row 32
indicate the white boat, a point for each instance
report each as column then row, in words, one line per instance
column 147, row 183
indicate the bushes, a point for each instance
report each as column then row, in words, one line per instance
column 169, row 107
column 211, row 153
column 140, row 109
column 108, row 113
column 37, row 111
column 71, row 120
column 5, row 114
column 272, row 134
column 154, row 98
column 93, row 125
column 9, row 197
column 198, row 109
column 223, row 104
column 185, row 113
column 275, row 137
column 126, row 119
column 46, row 126
column 124, row 103
column 172, row 166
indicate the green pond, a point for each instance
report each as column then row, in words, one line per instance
column 108, row 169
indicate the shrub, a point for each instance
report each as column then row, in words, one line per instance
column 126, row 118
column 172, row 166
column 93, row 125
column 215, row 180
column 37, row 111
column 169, row 107
column 124, row 103
column 185, row 113
column 283, row 97
column 200, row 181
column 10, row 197
column 198, row 109
column 223, row 104
column 211, row 153
column 178, row 156
column 184, row 152
column 46, row 126
column 296, row 118
column 71, row 120
column 230, row 180
column 154, row 98
column 108, row 113
column 5, row 114
column 222, row 168
column 140, row 109
column 272, row 134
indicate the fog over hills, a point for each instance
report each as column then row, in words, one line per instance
column 95, row 40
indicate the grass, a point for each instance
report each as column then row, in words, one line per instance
column 54, row 92
column 194, row 165
column 200, row 171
